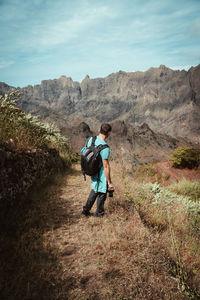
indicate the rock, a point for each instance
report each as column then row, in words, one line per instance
column 20, row 170
column 167, row 100
column 119, row 128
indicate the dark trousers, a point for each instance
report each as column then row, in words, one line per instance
column 101, row 198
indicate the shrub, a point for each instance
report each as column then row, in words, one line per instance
column 186, row 157
column 26, row 131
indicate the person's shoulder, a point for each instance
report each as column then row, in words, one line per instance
column 100, row 141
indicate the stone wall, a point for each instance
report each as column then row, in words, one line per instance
column 21, row 170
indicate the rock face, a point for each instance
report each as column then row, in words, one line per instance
column 6, row 89
column 130, row 145
column 168, row 101
column 139, row 145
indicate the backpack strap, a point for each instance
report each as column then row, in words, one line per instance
column 93, row 140
column 101, row 147
column 87, row 141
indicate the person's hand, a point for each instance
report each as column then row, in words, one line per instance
column 110, row 187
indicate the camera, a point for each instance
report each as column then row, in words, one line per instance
column 110, row 193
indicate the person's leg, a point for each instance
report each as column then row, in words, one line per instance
column 100, row 204
column 91, row 199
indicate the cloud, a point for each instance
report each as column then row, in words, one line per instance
column 195, row 29
column 13, row 10
column 5, row 63
column 46, row 38
column 44, row 29
column 63, row 31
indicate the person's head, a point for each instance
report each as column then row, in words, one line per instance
column 105, row 129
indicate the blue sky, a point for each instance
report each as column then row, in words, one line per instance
column 44, row 39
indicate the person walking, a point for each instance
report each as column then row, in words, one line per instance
column 102, row 181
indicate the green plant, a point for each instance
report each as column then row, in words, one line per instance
column 26, row 131
column 186, row 157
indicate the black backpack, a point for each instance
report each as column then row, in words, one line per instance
column 91, row 158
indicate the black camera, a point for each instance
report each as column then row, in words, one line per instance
column 110, row 193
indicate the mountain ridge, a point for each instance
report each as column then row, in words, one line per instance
column 167, row 100
column 99, row 77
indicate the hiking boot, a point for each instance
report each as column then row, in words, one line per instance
column 86, row 213
column 98, row 215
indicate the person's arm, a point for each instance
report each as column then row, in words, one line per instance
column 106, row 167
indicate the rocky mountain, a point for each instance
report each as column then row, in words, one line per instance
column 168, row 101
column 131, row 145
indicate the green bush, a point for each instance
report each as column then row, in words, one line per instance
column 26, row 131
column 186, row 157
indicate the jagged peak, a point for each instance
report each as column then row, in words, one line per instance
column 87, row 77
column 65, row 77
column 160, row 68
column 122, row 72
column 119, row 127
column 84, row 129
column 145, row 126
column 65, row 80
column 194, row 68
column 163, row 67
column 84, row 125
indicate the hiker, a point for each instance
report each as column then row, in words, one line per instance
column 101, row 182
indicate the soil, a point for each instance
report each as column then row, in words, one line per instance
column 175, row 174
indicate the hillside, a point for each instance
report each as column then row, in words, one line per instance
column 145, row 247
column 168, row 101
column 134, row 252
column 131, row 145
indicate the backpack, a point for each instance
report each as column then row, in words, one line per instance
column 91, row 158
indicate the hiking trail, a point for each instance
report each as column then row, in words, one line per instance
column 114, row 257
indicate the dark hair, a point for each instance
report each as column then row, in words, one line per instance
column 105, row 128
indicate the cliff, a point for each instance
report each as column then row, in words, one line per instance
column 168, row 101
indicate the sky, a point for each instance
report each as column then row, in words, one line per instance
column 45, row 39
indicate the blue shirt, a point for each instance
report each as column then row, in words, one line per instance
column 99, row 182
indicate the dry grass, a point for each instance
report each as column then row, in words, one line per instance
column 176, row 225
column 114, row 257
column 60, row 254
column 187, row 188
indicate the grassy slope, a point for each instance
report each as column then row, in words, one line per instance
column 173, row 213
column 54, row 253
column 63, row 255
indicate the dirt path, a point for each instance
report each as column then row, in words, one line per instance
column 114, row 257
